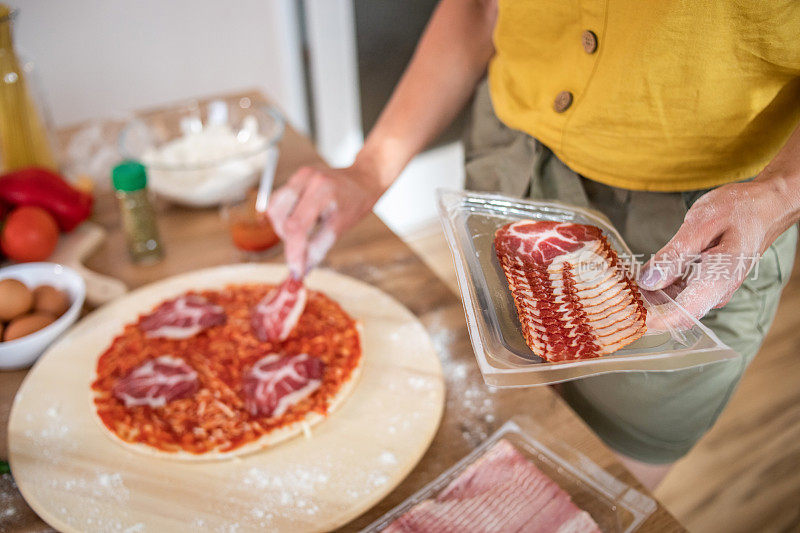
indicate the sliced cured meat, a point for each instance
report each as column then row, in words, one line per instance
column 563, row 309
column 607, row 307
column 590, row 297
column 585, row 279
column 156, row 382
column 564, row 349
column 608, row 326
column 591, row 258
column 589, row 289
column 543, row 240
column 562, row 516
column 614, row 342
column 276, row 383
column 615, row 317
column 628, row 323
column 182, row 317
column 501, row 491
column 573, row 298
column 274, row 318
column 599, row 328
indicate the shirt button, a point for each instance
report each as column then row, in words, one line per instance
column 563, row 101
column 589, row 40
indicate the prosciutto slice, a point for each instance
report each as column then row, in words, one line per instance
column 276, row 383
column 502, row 491
column 274, row 318
column 157, row 382
column 573, row 299
column 182, row 317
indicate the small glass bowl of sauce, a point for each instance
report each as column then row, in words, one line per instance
column 251, row 232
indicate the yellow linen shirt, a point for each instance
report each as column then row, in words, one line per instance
column 676, row 94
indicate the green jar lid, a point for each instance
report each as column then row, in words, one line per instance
column 129, row 176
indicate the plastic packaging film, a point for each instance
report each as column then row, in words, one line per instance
column 613, row 505
column 674, row 340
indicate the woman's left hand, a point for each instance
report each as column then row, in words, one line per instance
column 722, row 237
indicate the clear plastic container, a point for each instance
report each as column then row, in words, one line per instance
column 674, row 340
column 614, row 505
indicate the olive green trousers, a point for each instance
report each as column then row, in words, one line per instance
column 655, row 417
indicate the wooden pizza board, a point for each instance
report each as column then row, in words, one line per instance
column 77, row 478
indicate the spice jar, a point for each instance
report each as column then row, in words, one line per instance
column 138, row 216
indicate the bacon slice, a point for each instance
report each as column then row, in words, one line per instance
column 274, row 318
column 572, row 298
column 276, row 383
column 182, row 317
column 501, row 491
column 157, row 382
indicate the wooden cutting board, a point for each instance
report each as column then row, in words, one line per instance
column 77, row 478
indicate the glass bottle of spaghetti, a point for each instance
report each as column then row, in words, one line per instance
column 138, row 216
column 24, row 138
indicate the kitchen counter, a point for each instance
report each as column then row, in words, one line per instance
column 370, row 252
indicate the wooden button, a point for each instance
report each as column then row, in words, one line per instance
column 589, row 40
column 563, row 101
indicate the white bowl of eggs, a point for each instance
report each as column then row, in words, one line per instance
column 38, row 302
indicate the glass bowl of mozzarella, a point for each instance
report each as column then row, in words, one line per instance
column 204, row 154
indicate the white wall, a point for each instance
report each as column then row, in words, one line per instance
column 99, row 58
column 333, row 71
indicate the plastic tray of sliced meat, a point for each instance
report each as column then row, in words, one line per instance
column 549, row 295
column 521, row 479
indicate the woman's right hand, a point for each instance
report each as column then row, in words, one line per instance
column 316, row 206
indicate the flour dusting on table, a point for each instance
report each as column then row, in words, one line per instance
column 13, row 510
column 468, row 397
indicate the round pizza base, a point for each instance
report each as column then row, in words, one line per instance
column 78, row 479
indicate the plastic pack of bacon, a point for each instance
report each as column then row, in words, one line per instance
column 549, row 295
column 542, row 483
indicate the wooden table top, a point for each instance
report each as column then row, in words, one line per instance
column 197, row 238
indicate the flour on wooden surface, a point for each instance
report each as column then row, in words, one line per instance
column 469, row 399
column 13, row 510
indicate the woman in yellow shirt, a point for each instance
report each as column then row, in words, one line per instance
column 655, row 114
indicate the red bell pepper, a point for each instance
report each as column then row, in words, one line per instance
column 46, row 189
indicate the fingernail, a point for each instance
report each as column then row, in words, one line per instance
column 649, row 278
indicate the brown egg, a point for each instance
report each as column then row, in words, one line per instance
column 25, row 325
column 15, row 299
column 47, row 299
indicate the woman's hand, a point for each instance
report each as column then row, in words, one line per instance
column 722, row 237
column 316, row 205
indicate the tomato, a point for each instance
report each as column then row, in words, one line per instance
column 29, row 234
column 253, row 235
column 4, row 209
